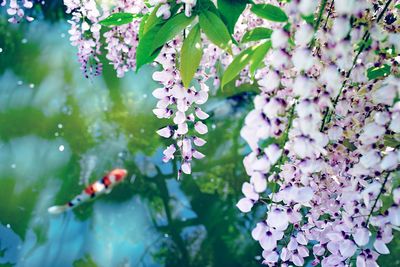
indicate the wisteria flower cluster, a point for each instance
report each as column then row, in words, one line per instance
column 320, row 159
column 324, row 133
column 121, row 41
column 85, row 34
column 17, row 10
column 174, row 100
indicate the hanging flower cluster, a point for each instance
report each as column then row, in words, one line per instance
column 85, row 34
column 320, row 161
column 17, row 10
column 126, row 22
column 121, row 41
column 183, row 105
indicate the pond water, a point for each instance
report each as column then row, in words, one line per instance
column 59, row 131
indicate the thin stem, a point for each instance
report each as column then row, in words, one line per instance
column 329, row 13
column 377, row 198
column 286, row 134
column 320, row 13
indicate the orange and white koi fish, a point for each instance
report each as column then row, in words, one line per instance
column 104, row 185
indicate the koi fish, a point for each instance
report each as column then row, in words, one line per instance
column 101, row 186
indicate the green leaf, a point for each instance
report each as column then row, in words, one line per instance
column 309, row 19
column 392, row 140
column 378, row 72
column 191, row 55
column 256, row 34
column 387, row 202
column 144, row 52
column 258, row 56
column 142, row 24
column 118, row 19
column 171, row 28
column 152, row 20
column 206, row 5
column 230, row 12
column 397, row 6
column 273, row 186
column 363, row 44
column 231, row 89
column 269, row 12
column 215, row 30
column 269, row 141
column 238, row 63
column 349, row 145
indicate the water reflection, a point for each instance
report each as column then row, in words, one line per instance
column 9, row 246
column 59, row 131
column 20, row 158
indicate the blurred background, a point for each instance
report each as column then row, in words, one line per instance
column 59, row 131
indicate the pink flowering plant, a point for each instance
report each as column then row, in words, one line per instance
column 324, row 133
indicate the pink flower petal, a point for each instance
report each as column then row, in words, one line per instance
column 303, row 251
column 278, row 219
column 182, row 129
column 361, row 236
column 199, row 141
column 268, row 243
column 198, row 155
column 259, row 231
column 381, row 247
column 245, row 205
column 28, row 4
column 180, row 117
column 159, row 93
column 347, row 248
column 297, row 260
column 259, row 182
column 201, row 97
column 301, row 238
column 200, row 127
column 273, row 153
column 160, row 112
column 186, row 168
column 248, row 191
column 201, row 114
column 292, row 245
column 165, row 132
column 270, row 256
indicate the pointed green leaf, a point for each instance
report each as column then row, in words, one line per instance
column 378, row 72
column 118, row 19
column 191, row 54
column 215, row 30
column 144, row 52
column 309, row 19
column 230, row 89
column 142, row 24
column 269, row 12
column 238, row 63
column 152, row 20
column 207, row 5
column 258, row 56
column 256, row 34
column 230, row 12
column 171, row 28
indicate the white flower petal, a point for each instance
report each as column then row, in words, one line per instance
column 245, row 205
column 361, row 236
column 200, row 127
column 165, row 132
column 381, row 247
